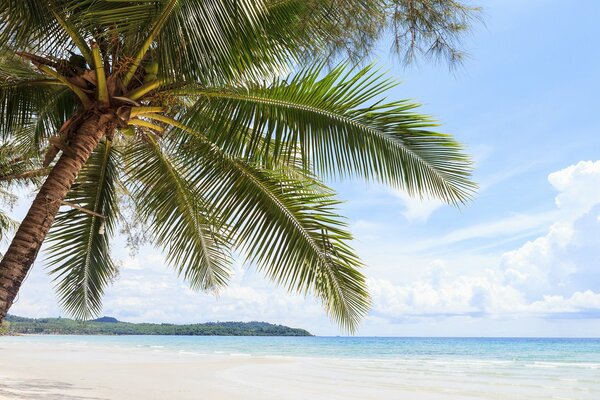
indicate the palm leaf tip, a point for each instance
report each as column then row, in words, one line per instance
column 348, row 300
column 80, row 258
column 178, row 219
column 284, row 220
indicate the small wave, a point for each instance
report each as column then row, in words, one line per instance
column 187, row 352
column 564, row 364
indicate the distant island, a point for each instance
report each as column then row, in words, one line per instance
column 14, row 325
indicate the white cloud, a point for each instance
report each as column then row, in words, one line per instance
column 157, row 295
column 475, row 296
column 579, row 187
column 557, row 273
column 509, row 227
column 567, row 258
column 417, row 209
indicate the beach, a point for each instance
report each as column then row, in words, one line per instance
column 80, row 368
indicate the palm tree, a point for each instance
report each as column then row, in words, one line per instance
column 187, row 108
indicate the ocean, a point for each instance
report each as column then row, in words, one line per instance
column 515, row 368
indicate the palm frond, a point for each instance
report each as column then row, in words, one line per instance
column 7, row 224
column 79, row 250
column 23, row 94
column 284, row 221
column 31, row 25
column 215, row 40
column 18, row 168
column 47, row 120
column 341, row 125
column 201, row 40
column 176, row 215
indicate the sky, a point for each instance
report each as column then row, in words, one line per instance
column 521, row 259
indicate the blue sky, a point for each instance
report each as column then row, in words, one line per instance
column 522, row 259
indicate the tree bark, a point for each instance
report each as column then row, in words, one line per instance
column 28, row 239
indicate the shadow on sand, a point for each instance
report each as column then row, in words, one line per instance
column 41, row 389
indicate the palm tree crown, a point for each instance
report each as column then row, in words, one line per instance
column 187, row 109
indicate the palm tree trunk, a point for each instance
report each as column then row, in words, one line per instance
column 28, row 240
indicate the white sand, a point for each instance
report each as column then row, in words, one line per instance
column 34, row 370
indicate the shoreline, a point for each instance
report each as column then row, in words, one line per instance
column 81, row 373
column 76, row 369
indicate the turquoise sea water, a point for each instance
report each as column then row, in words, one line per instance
column 583, row 352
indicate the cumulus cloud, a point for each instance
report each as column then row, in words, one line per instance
column 154, row 293
column 555, row 275
column 148, row 290
column 567, row 258
column 579, row 188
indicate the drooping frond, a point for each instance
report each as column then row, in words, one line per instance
column 79, row 250
column 216, row 40
column 29, row 24
column 17, row 169
column 176, row 215
column 23, row 93
column 7, row 225
column 60, row 105
column 341, row 125
column 284, row 221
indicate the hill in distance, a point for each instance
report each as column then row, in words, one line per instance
column 105, row 319
column 111, row 326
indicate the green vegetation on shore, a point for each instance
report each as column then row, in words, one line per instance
column 110, row 326
column 4, row 328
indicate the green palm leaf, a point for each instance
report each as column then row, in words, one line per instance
column 17, row 169
column 341, row 125
column 285, row 221
column 176, row 215
column 206, row 40
column 23, row 93
column 29, row 24
column 7, row 224
column 79, row 251
column 59, row 106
